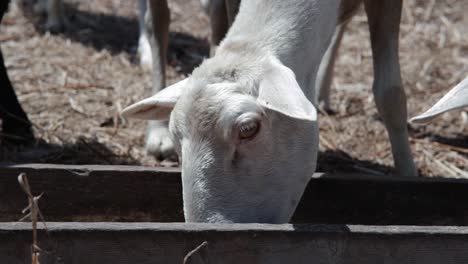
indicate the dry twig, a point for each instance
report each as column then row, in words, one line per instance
column 189, row 255
column 33, row 212
column 451, row 169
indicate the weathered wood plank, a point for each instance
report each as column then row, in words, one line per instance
column 129, row 193
column 143, row 243
column 94, row 193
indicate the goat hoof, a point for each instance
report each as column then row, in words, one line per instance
column 159, row 145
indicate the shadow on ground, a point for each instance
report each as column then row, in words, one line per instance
column 459, row 141
column 339, row 161
column 120, row 34
column 83, row 151
column 456, row 139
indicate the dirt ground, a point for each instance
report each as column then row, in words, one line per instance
column 73, row 84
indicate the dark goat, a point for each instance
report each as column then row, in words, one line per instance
column 16, row 127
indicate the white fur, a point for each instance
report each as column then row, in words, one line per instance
column 158, row 106
column 454, row 99
column 291, row 101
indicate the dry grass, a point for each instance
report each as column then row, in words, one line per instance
column 73, row 84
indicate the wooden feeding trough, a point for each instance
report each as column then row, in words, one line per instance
column 122, row 214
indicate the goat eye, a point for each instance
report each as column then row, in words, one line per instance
column 249, row 130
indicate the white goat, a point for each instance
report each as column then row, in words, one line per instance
column 454, row 99
column 243, row 122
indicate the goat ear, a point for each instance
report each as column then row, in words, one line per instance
column 279, row 91
column 158, row 106
column 454, row 99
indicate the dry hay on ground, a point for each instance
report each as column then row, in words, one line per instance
column 73, row 84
